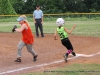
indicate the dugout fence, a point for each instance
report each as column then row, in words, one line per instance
column 88, row 24
column 52, row 17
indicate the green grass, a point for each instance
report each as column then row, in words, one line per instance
column 75, row 69
column 84, row 28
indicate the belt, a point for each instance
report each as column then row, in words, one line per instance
column 64, row 39
column 38, row 18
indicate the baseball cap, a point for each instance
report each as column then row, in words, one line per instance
column 20, row 19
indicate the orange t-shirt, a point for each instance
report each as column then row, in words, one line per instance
column 28, row 37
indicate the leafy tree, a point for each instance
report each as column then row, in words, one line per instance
column 95, row 7
column 88, row 5
column 6, row 7
column 18, row 6
column 55, row 6
column 74, row 6
column 29, row 6
column 48, row 6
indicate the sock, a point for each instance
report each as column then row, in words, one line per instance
column 69, row 51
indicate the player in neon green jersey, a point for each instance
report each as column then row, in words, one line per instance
column 63, row 33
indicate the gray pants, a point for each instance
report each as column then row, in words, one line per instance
column 28, row 46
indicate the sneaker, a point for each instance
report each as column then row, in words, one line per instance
column 73, row 53
column 65, row 57
column 35, row 58
column 18, row 60
column 37, row 36
column 42, row 35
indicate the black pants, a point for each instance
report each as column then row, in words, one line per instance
column 39, row 25
column 66, row 42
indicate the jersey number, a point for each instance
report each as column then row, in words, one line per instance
column 61, row 35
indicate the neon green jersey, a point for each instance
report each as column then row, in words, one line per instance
column 62, row 33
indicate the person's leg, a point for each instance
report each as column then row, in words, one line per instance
column 69, row 46
column 36, row 28
column 41, row 28
column 31, row 50
column 64, row 43
column 20, row 46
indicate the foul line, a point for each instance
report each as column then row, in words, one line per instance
column 46, row 64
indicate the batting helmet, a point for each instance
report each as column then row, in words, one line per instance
column 60, row 21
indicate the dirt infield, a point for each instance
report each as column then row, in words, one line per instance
column 48, row 50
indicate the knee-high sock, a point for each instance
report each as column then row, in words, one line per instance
column 69, row 51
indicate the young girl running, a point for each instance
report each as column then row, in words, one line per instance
column 27, row 38
column 63, row 33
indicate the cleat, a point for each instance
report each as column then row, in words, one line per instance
column 42, row 35
column 35, row 58
column 73, row 53
column 65, row 57
column 18, row 60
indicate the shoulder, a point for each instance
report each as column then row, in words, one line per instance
column 35, row 10
column 62, row 27
column 40, row 10
column 24, row 26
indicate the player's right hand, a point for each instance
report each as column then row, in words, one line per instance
column 74, row 25
column 55, row 38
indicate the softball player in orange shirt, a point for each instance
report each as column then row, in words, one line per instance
column 27, row 38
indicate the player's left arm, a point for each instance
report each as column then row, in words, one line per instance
column 70, row 31
column 55, row 35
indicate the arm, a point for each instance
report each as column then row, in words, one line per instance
column 41, row 17
column 55, row 34
column 21, row 29
column 34, row 17
column 42, row 20
column 70, row 31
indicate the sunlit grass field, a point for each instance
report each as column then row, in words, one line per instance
column 83, row 28
column 75, row 69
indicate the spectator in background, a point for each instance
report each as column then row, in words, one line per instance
column 38, row 20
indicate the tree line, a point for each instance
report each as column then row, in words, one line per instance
column 49, row 6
